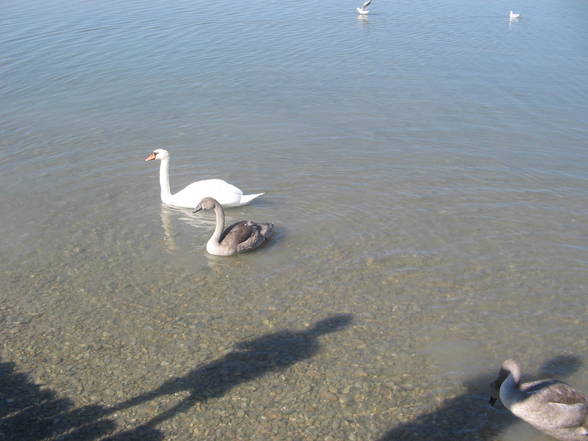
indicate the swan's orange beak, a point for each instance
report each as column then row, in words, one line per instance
column 151, row 157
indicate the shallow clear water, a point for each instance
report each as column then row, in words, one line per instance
column 426, row 168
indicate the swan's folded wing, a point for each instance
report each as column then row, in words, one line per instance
column 212, row 185
column 570, row 404
column 260, row 233
column 236, row 233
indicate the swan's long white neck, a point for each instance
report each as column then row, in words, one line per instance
column 218, row 229
column 164, row 180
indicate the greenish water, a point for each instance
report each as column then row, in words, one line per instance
column 426, row 171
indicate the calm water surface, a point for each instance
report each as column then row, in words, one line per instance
column 426, row 168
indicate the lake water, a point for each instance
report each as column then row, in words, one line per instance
column 426, row 169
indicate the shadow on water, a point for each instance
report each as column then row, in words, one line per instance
column 251, row 359
column 469, row 417
column 29, row 413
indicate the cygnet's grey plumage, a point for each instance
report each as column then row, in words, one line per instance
column 551, row 406
column 239, row 237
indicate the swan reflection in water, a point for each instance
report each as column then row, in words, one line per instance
column 185, row 234
column 200, row 225
column 363, row 21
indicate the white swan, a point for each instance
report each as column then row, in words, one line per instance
column 239, row 237
column 514, row 15
column 363, row 10
column 227, row 194
column 551, row 406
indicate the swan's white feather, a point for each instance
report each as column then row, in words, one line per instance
column 226, row 194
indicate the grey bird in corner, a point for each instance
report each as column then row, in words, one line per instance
column 551, row 406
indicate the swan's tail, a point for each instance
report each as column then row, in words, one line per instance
column 246, row 198
column 266, row 230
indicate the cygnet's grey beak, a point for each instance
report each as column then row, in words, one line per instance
column 197, row 209
column 491, row 401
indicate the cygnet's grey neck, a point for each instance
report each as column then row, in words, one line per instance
column 219, row 213
column 514, row 369
column 509, row 377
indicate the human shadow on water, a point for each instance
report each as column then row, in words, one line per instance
column 31, row 413
column 251, row 359
column 469, row 417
